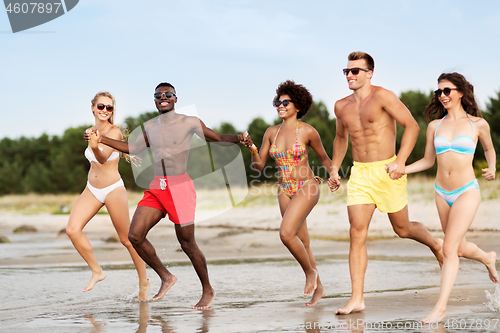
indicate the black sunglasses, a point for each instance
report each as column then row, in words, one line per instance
column 445, row 91
column 285, row 102
column 167, row 94
column 109, row 108
column 354, row 71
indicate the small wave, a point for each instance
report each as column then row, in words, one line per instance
column 493, row 299
column 130, row 298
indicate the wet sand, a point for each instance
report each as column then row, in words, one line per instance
column 258, row 283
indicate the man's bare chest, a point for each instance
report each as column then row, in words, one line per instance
column 360, row 119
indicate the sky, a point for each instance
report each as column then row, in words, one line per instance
column 227, row 57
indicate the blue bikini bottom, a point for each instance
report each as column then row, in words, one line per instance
column 452, row 196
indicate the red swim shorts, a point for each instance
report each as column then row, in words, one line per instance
column 174, row 195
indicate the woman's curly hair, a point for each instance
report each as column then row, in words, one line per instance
column 436, row 110
column 300, row 96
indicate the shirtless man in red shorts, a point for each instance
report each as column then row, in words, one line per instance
column 172, row 191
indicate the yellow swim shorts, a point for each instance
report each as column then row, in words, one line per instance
column 370, row 184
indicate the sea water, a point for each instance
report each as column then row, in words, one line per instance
column 48, row 297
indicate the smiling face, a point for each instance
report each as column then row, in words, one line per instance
column 454, row 99
column 165, row 104
column 358, row 81
column 104, row 114
column 288, row 111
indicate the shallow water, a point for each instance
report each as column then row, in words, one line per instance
column 48, row 298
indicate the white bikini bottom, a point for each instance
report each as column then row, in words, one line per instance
column 101, row 193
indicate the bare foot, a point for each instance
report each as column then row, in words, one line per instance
column 352, row 306
column 96, row 277
column 490, row 264
column 144, row 291
column 206, row 300
column 165, row 286
column 439, row 253
column 318, row 294
column 435, row 317
column 311, row 283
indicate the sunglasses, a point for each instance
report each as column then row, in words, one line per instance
column 109, row 108
column 354, row 71
column 445, row 91
column 285, row 102
column 167, row 94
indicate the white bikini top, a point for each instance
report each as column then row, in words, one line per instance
column 89, row 154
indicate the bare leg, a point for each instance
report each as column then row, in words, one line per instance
column 359, row 218
column 85, row 207
column 185, row 236
column 459, row 219
column 470, row 250
column 467, row 249
column 117, row 205
column 144, row 219
column 296, row 212
column 320, row 292
column 405, row 228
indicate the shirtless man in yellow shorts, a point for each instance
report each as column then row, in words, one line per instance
column 369, row 115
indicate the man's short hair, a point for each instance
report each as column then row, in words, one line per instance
column 165, row 84
column 358, row 55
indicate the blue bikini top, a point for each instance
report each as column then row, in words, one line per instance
column 463, row 144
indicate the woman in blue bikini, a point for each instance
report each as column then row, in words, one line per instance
column 452, row 139
column 298, row 190
column 104, row 187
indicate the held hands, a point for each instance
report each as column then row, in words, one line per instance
column 86, row 134
column 334, row 181
column 488, row 173
column 241, row 137
column 92, row 136
column 395, row 171
column 95, row 138
column 246, row 140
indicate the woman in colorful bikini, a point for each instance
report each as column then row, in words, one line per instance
column 298, row 190
column 104, row 187
column 452, row 138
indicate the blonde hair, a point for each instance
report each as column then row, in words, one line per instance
column 108, row 95
column 124, row 132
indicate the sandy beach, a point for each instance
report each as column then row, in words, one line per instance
column 258, row 283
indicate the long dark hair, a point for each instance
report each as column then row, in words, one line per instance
column 436, row 110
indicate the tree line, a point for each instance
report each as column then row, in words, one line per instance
column 56, row 164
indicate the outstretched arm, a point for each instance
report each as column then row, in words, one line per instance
column 210, row 135
column 489, row 150
column 430, row 153
column 125, row 147
column 258, row 158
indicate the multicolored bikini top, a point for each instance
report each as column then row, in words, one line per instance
column 463, row 144
column 289, row 158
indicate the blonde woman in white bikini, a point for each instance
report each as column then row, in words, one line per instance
column 104, row 187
